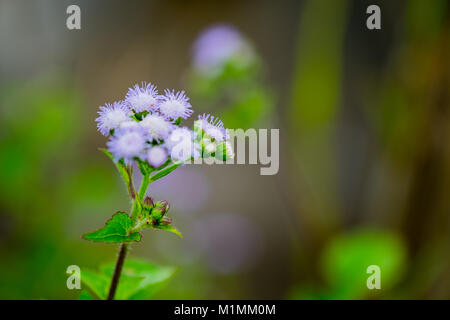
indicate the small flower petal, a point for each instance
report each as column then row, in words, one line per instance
column 111, row 116
column 142, row 98
column 175, row 105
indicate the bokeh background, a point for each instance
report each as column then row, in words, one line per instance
column 365, row 160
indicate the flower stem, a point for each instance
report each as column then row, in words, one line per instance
column 144, row 186
column 117, row 270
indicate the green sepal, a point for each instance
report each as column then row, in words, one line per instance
column 140, row 115
column 115, row 230
column 178, row 121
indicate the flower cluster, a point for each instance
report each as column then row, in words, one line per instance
column 146, row 126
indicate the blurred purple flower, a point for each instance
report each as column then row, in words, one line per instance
column 216, row 45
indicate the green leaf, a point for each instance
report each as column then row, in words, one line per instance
column 164, row 172
column 121, row 167
column 140, row 279
column 85, row 295
column 97, row 283
column 115, row 230
column 169, row 228
column 346, row 258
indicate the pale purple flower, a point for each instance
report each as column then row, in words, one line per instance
column 212, row 126
column 126, row 145
column 181, row 145
column 157, row 127
column 216, row 45
column 156, row 156
column 111, row 116
column 174, row 105
column 142, row 98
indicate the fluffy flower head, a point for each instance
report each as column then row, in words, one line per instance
column 157, row 127
column 174, row 105
column 212, row 126
column 143, row 98
column 111, row 116
column 127, row 145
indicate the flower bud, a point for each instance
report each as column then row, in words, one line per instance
column 160, row 209
column 148, row 201
column 166, row 220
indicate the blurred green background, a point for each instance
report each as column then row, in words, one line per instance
column 365, row 158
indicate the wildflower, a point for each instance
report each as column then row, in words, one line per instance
column 126, row 145
column 156, row 127
column 142, row 98
column 217, row 45
column 157, row 156
column 212, row 126
column 111, row 116
column 181, row 145
column 175, row 105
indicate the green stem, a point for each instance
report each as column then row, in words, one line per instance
column 144, row 186
column 117, row 271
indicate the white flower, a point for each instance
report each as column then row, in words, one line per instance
column 212, row 126
column 142, row 98
column 175, row 105
column 126, row 145
column 157, row 156
column 181, row 145
column 156, row 127
column 111, row 116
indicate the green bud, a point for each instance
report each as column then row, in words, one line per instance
column 148, row 202
column 160, row 209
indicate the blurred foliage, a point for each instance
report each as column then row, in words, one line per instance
column 346, row 258
column 44, row 181
column 139, row 280
column 393, row 101
column 236, row 91
column 344, row 262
